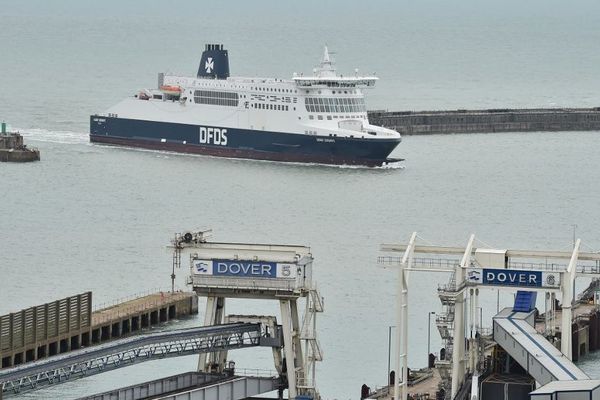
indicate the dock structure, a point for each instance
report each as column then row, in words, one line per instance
column 69, row 324
column 545, row 355
column 586, row 322
column 488, row 121
column 280, row 273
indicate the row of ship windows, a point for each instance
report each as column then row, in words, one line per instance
column 212, row 93
column 334, row 92
column 277, row 107
column 330, row 117
column 279, row 90
column 335, row 105
column 314, row 133
column 216, row 98
column 263, row 89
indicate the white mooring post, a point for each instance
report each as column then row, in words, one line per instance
column 401, row 387
column 295, row 317
column 458, row 351
column 288, row 349
column 567, row 287
column 214, row 315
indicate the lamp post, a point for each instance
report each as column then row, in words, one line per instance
column 387, row 379
column 480, row 318
column 429, row 314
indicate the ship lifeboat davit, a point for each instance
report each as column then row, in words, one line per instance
column 171, row 89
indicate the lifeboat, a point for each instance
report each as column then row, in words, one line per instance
column 171, row 89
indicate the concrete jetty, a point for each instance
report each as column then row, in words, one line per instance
column 13, row 149
column 69, row 324
column 488, row 121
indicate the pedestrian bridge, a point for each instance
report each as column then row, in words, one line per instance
column 132, row 350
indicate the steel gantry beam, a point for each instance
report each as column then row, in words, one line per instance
column 589, row 256
column 125, row 352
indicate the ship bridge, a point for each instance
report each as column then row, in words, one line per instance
column 336, row 81
column 326, row 76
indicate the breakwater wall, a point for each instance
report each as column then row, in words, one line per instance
column 488, row 121
column 13, row 149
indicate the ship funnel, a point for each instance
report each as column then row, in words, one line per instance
column 214, row 62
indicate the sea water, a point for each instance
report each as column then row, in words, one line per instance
column 90, row 217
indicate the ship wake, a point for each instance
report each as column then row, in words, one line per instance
column 55, row 136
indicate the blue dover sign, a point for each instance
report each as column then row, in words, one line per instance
column 513, row 277
column 253, row 269
column 243, row 269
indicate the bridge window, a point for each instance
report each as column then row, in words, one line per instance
column 216, row 98
column 335, row 105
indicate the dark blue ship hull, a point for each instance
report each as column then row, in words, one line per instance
column 240, row 143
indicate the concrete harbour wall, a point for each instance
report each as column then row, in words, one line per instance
column 488, row 121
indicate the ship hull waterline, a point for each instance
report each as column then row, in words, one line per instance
column 256, row 145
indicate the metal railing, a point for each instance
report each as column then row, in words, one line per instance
column 100, row 319
column 425, row 262
column 433, row 263
column 112, row 303
column 212, row 282
column 258, row 372
column 553, row 267
column 450, row 263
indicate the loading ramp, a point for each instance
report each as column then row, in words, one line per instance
column 514, row 331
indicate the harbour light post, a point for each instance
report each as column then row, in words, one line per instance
column 429, row 314
column 387, row 379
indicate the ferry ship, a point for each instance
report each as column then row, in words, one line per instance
column 317, row 119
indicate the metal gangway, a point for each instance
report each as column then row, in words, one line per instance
column 195, row 386
column 514, row 331
column 132, row 350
